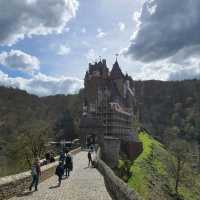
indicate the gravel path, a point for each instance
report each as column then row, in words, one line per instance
column 83, row 184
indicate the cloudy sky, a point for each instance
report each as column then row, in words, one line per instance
column 45, row 45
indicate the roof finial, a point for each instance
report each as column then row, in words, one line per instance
column 116, row 56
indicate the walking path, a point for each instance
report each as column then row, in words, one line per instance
column 83, row 184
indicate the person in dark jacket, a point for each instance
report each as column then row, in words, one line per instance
column 47, row 157
column 36, row 173
column 59, row 172
column 52, row 159
column 62, row 157
column 68, row 163
column 89, row 158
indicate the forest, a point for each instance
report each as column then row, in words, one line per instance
column 169, row 111
column 28, row 123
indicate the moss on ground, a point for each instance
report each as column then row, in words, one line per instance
column 151, row 177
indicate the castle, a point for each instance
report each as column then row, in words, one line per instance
column 108, row 104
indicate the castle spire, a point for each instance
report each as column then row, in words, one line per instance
column 116, row 72
column 116, row 56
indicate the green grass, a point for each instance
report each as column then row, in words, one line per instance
column 150, row 177
column 147, row 162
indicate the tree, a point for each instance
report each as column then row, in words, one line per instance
column 180, row 150
column 198, row 139
column 197, row 95
column 64, row 127
column 29, row 144
column 171, row 134
column 124, row 169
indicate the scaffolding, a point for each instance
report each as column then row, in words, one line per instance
column 116, row 124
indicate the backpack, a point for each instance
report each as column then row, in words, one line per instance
column 34, row 170
column 59, row 170
column 62, row 157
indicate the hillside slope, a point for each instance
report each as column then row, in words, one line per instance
column 18, row 107
column 163, row 105
column 151, row 175
column 20, row 110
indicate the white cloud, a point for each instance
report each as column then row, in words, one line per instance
column 166, row 27
column 185, row 74
column 100, row 33
column 63, row 50
column 25, row 18
column 166, row 40
column 152, row 9
column 91, row 55
column 43, row 85
column 167, row 70
column 60, row 49
column 122, row 26
column 155, row 71
column 136, row 19
column 20, row 60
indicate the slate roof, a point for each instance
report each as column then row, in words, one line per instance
column 116, row 72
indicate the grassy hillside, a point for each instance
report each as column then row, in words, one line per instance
column 152, row 177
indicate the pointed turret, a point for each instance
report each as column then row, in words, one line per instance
column 116, row 72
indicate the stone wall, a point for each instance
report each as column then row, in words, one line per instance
column 117, row 188
column 15, row 184
column 111, row 150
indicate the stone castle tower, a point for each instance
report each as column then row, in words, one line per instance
column 109, row 96
column 108, row 112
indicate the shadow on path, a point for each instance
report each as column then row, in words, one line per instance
column 25, row 194
column 65, row 177
column 54, row 187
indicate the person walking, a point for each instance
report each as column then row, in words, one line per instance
column 36, row 173
column 89, row 158
column 47, row 157
column 52, row 159
column 68, row 163
column 62, row 157
column 60, row 172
